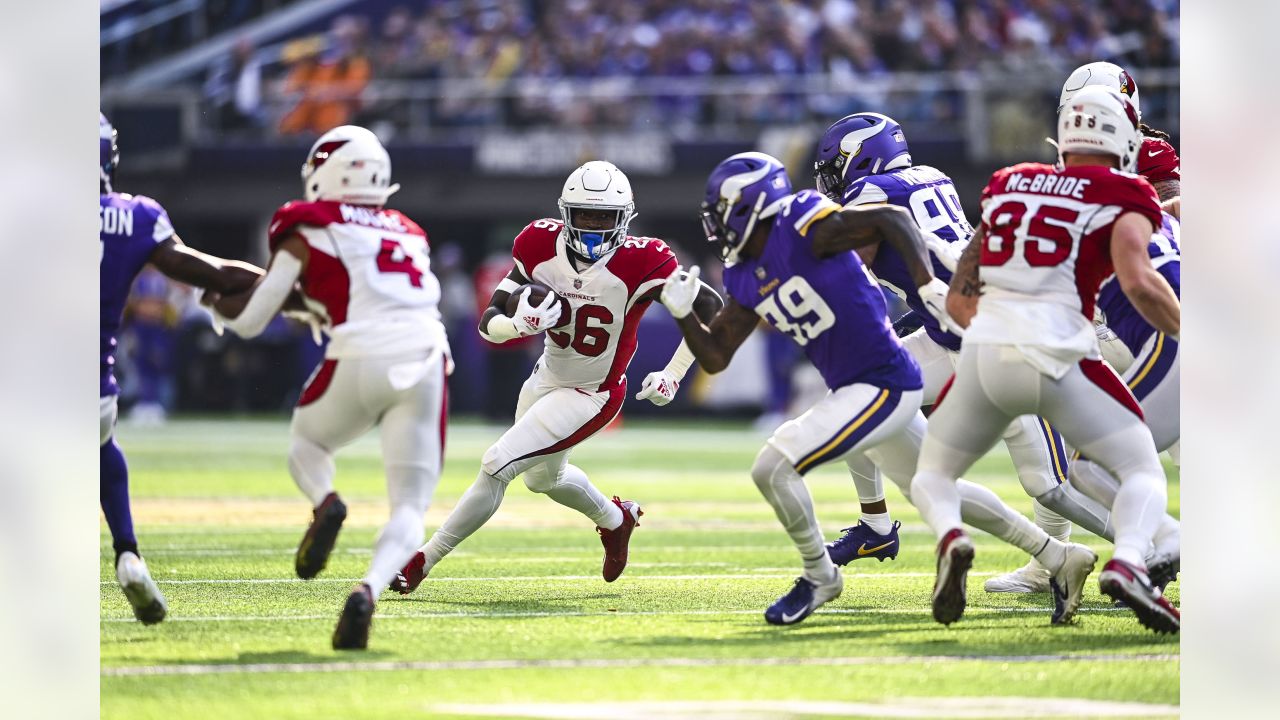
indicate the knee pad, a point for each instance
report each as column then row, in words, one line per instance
column 765, row 468
column 541, row 478
column 497, row 463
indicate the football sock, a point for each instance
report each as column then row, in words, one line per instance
column 574, row 490
column 1057, row 527
column 113, row 493
column 866, row 479
column 787, row 493
column 473, row 510
column 396, row 543
column 938, row 500
column 984, row 510
column 1142, row 498
column 312, row 469
column 881, row 523
column 1168, row 538
column 1138, row 511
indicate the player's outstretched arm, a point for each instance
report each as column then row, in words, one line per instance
column 713, row 346
column 660, row 387
column 188, row 265
column 248, row 313
column 1146, row 289
column 966, row 287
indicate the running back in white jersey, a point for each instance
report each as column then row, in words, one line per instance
column 607, row 298
column 370, row 269
column 1046, row 248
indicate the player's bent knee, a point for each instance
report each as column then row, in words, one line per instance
column 765, row 469
column 540, row 480
column 498, row 463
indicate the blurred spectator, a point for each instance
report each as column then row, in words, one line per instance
column 148, row 342
column 234, row 88
column 329, row 83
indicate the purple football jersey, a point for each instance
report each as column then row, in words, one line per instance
column 931, row 199
column 1122, row 317
column 130, row 227
column 832, row 307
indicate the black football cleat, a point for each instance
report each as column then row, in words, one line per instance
column 313, row 551
column 352, row 632
column 955, row 557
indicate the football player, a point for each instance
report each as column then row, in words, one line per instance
column 789, row 259
column 1049, row 236
column 1132, row 345
column 864, row 160
column 365, row 271
column 135, row 230
column 609, row 279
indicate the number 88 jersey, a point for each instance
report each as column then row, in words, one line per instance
column 833, row 307
column 1046, row 250
column 370, row 269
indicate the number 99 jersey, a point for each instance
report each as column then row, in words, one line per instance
column 1046, row 250
column 833, row 307
column 607, row 300
column 370, row 269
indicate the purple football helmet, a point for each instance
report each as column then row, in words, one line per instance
column 108, row 152
column 742, row 189
column 856, row 146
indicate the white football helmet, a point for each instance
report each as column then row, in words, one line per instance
column 1100, row 121
column 1100, row 73
column 348, row 164
column 596, row 185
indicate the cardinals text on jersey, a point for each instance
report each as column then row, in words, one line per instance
column 607, row 300
column 371, row 270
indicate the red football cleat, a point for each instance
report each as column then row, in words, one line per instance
column 1121, row 581
column 955, row 557
column 615, row 541
column 410, row 575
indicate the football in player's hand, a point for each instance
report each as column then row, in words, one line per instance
column 538, row 294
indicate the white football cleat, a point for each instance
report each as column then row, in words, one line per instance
column 1068, row 583
column 1030, row 578
column 143, row 594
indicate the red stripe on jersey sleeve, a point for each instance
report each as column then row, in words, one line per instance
column 292, row 214
column 535, row 244
column 641, row 259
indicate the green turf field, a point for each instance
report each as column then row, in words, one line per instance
column 517, row 622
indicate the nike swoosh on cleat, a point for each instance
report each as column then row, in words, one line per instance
column 863, row 550
column 788, row 619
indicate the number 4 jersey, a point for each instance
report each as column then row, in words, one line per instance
column 607, row 298
column 831, row 307
column 1046, row 251
column 370, row 269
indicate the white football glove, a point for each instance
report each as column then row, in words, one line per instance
column 680, row 290
column 934, row 297
column 659, row 388
column 532, row 319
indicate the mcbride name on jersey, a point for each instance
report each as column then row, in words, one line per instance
column 371, row 270
column 607, row 300
column 1121, row 316
column 1046, row 251
column 832, row 307
column 931, row 198
column 129, row 227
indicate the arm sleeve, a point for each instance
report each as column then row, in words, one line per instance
column 267, row 297
column 680, row 362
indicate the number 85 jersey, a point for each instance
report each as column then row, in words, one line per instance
column 831, row 307
column 370, row 269
column 1046, row 249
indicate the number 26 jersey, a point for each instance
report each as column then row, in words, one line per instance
column 832, row 307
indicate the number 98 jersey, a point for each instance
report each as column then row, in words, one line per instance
column 607, row 300
column 370, row 268
column 833, row 307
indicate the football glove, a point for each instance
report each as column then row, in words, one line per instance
column 532, row 319
column 680, row 290
column 659, row 388
column 934, row 297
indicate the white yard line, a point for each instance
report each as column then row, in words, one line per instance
column 785, row 573
column 429, row 665
column 463, row 615
column 898, row 707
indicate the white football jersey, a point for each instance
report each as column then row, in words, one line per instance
column 370, row 269
column 1046, row 250
column 607, row 298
